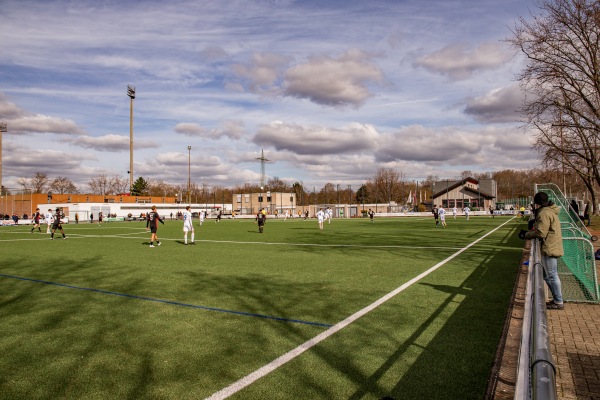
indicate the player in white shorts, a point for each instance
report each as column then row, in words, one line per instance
column 321, row 217
column 467, row 210
column 202, row 216
column 329, row 214
column 188, row 225
column 49, row 219
column 442, row 216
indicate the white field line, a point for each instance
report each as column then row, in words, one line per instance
column 130, row 235
column 290, row 355
column 162, row 239
column 46, row 236
column 327, row 245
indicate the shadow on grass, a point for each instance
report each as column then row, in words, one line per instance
column 455, row 363
column 67, row 342
column 449, row 353
column 52, row 348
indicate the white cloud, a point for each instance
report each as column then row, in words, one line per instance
column 20, row 121
column 460, row 62
column 110, row 142
column 263, row 72
column 453, row 146
column 497, row 105
column 229, row 129
column 333, row 81
column 316, row 140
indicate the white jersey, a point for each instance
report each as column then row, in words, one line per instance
column 466, row 210
column 202, row 216
column 441, row 213
column 187, row 221
column 49, row 218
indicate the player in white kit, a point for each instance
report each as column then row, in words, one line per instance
column 320, row 218
column 188, row 226
column 442, row 216
column 49, row 219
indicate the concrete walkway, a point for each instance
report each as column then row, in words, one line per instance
column 575, row 345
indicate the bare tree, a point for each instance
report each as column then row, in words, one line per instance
column 277, row 185
column 36, row 184
column 118, row 184
column 25, row 183
column 466, row 174
column 39, row 182
column 100, row 184
column 562, row 84
column 160, row 188
column 387, row 185
column 62, row 185
column 327, row 194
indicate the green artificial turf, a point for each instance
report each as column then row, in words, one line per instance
column 101, row 315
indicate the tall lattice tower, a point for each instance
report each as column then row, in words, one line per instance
column 263, row 161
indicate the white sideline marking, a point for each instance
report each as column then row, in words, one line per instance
column 327, row 245
column 290, row 355
column 130, row 235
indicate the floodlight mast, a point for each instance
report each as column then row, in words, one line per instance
column 3, row 128
column 131, row 94
column 189, row 176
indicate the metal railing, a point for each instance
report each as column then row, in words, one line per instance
column 536, row 379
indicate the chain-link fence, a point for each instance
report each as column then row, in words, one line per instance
column 577, row 268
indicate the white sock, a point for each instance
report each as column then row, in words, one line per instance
column 192, row 237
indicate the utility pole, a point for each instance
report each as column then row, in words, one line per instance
column 262, row 160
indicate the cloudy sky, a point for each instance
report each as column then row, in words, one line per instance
column 332, row 90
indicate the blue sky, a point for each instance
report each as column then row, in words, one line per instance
column 331, row 90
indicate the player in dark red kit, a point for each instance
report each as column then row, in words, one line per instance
column 57, row 224
column 36, row 220
column 152, row 221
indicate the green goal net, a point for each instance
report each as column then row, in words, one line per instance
column 577, row 268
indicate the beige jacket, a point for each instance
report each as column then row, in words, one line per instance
column 547, row 228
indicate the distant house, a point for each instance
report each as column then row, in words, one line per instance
column 272, row 202
column 480, row 194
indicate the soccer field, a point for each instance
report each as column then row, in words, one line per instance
column 359, row 310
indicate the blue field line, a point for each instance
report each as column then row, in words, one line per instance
column 175, row 303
